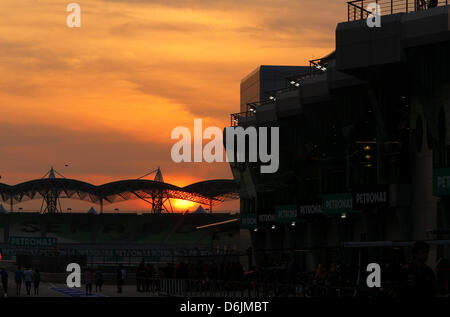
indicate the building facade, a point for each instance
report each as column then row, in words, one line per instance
column 364, row 149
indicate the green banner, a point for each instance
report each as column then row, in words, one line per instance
column 441, row 182
column 247, row 221
column 306, row 210
column 286, row 213
column 41, row 242
column 337, row 203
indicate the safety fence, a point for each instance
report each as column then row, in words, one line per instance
column 203, row 288
column 209, row 288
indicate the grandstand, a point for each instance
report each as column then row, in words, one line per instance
column 112, row 237
column 159, row 235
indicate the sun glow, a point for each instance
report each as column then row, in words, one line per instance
column 183, row 205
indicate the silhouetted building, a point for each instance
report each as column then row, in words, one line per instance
column 364, row 148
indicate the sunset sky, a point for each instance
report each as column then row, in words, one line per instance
column 104, row 98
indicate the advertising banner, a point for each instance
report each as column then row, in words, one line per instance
column 337, row 203
column 286, row 213
column 248, row 221
column 441, row 181
column 32, row 242
column 370, row 196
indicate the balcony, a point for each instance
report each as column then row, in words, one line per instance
column 240, row 118
column 357, row 9
column 365, row 51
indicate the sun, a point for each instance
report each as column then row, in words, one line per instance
column 183, row 205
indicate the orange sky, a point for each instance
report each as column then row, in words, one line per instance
column 104, row 98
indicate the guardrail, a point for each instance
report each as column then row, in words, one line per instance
column 216, row 288
column 235, row 117
column 357, row 9
column 213, row 288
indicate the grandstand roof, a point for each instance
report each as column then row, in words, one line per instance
column 202, row 192
column 222, row 189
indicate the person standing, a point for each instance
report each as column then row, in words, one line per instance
column 88, row 279
column 148, row 277
column 119, row 279
column 124, row 275
column 36, row 281
column 4, row 278
column 417, row 279
column 18, row 277
column 98, row 280
column 432, row 4
column 140, row 277
column 421, row 4
column 28, row 274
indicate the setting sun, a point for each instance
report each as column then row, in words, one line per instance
column 183, row 205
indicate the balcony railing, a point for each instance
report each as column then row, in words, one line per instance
column 316, row 67
column 357, row 9
column 236, row 117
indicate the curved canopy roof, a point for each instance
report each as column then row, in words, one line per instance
column 202, row 192
column 220, row 189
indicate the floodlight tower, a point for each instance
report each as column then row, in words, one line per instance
column 159, row 197
column 51, row 196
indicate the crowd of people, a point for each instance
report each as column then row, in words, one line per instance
column 93, row 277
column 410, row 280
column 413, row 279
column 146, row 273
column 28, row 276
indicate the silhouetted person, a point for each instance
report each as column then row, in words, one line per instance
column 98, row 277
column 417, row 279
column 4, row 278
column 148, row 276
column 88, row 279
column 18, row 277
column 121, row 274
column 140, row 277
column 432, row 3
column 36, row 281
column 28, row 274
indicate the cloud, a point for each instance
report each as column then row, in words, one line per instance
column 105, row 97
column 32, row 149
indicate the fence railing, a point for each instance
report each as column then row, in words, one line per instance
column 236, row 117
column 219, row 288
column 357, row 9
